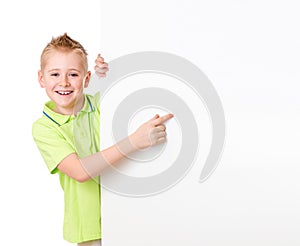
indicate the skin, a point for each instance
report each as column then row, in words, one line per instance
column 64, row 79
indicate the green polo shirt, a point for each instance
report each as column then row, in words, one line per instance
column 57, row 136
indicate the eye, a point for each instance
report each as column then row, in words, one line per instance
column 73, row 75
column 54, row 74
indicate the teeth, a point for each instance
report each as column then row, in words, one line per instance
column 64, row 92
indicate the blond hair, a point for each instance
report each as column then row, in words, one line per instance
column 66, row 44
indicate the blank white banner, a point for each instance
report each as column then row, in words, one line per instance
column 249, row 52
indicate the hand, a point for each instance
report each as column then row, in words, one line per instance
column 101, row 67
column 150, row 133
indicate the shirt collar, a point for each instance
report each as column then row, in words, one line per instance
column 88, row 104
column 61, row 119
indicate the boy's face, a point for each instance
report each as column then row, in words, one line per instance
column 64, row 78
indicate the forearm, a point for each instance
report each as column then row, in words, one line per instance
column 96, row 163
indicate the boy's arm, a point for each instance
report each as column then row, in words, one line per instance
column 148, row 134
column 71, row 166
column 86, row 168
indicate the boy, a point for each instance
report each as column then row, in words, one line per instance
column 74, row 155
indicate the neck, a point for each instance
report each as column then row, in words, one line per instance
column 71, row 110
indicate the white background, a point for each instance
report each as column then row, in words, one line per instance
column 248, row 49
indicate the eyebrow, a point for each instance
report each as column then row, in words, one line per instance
column 58, row 69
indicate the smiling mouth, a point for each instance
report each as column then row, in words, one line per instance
column 64, row 93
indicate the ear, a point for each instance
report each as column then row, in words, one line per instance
column 41, row 79
column 87, row 79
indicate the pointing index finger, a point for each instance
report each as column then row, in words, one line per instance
column 162, row 119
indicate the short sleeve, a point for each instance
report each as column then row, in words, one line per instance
column 52, row 145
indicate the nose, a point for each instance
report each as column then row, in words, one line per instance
column 64, row 81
